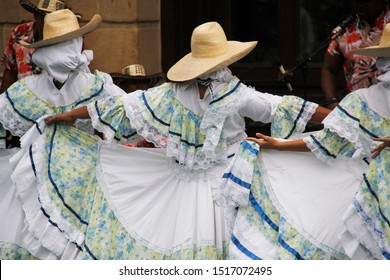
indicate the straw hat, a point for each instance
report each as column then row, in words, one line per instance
column 136, row 72
column 381, row 50
column 43, row 7
column 210, row 51
column 61, row 26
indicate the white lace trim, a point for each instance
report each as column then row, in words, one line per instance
column 351, row 131
column 11, row 120
column 212, row 125
column 108, row 133
column 183, row 173
column 214, row 118
column 318, row 152
column 306, row 116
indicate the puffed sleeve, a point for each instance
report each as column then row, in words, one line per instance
column 326, row 145
column 109, row 117
column 288, row 114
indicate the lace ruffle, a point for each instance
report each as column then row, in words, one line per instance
column 236, row 182
column 183, row 173
column 10, row 119
column 291, row 117
column 161, row 119
column 350, row 130
column 317, row 151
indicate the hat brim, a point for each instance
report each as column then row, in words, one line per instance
column 87, row 28
column 151, row 79
column 30, row 7
column 190, row 67
column 373, row 51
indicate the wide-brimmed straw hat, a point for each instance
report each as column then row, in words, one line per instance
column 210, row 51
column 43, row 7
column 381, row 50
column 136, row 72
column 61, row 26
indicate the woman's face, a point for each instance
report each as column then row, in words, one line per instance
column 368, row 10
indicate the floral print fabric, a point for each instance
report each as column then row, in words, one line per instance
column 15, row 56
column 372, row 201
column 360, row 71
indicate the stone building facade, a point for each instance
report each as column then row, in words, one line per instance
column 130, row 32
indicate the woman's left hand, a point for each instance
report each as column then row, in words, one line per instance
column 378, row 149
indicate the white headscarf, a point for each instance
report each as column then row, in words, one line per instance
column 378, row 96
column 62, row 59
column 188, row 92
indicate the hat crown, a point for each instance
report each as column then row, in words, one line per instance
column 134, row 70
column 208, row 40
column 51, row 5
column 59, row 23
column 385, row 39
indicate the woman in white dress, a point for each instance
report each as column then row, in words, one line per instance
column 160, row 203
column 297, row 207
column 29, row 226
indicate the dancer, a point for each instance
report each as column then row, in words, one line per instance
column 159, row 203
column 310, row 210
column 65, row 83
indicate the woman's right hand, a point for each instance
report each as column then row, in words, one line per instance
column 378, row 149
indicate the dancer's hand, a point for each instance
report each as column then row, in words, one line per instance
column 265, row 142
column 378, row 149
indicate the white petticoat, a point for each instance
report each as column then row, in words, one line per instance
column 11, row 212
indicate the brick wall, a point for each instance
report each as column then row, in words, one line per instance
column 130, row 32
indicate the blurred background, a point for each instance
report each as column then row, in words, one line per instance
column 157, row 33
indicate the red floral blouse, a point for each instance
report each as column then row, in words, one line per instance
column 15, row 56
column 360, row 71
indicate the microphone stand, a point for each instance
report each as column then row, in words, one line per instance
column 339, row 30
column 303, row 65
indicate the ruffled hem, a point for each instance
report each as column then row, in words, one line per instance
column 46, row 236
column 248, row 243
column 10, row 251
column 357, row 239
column 331, row 253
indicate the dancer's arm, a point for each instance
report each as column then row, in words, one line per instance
column 70, row 117
column 268, row 142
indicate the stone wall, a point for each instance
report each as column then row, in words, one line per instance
column 130, row 32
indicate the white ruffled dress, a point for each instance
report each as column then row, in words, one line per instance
column 27, row 217
column 294, row 206
column 159, row 203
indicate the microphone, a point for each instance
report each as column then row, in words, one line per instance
column 283, row 77
column 340, row 29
